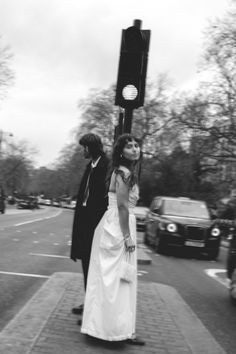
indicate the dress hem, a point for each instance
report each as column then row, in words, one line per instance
column 110, row 339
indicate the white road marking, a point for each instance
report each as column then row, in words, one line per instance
column 39, row 219
column 25, row 274
column 15, row 239
column 48, row 255
column 56, row 244
column 34, row 232
column 143, row 271
column 213, row 273
column 28, row 222
column 35, row 241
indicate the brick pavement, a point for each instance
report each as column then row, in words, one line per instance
column 47, row 326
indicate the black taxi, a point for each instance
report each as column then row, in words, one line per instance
column 181, row 222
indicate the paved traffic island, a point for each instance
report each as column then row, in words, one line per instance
column 46, row 325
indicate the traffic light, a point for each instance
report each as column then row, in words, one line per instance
column 132, row 70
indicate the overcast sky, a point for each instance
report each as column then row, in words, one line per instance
column 63, row 48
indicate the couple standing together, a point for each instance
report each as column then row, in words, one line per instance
column 104, row 233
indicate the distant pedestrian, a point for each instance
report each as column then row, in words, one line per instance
column 2, row 200
column 91, row 203
column 110, row 299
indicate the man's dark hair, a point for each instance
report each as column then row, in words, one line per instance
column 94, row 144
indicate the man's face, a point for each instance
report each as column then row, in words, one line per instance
column 86, row 152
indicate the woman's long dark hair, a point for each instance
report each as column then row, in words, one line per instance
column 119, row 160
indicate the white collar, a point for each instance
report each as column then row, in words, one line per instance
column 94, row 164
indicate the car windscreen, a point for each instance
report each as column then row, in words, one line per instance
column 186, row 208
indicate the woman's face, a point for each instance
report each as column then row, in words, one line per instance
column 131, row 151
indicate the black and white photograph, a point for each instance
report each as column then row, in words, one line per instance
column 117, row 177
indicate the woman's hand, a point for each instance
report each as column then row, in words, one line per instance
column 129, row 244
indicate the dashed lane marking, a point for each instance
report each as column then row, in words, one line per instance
column 39, row 219
column 28, row 222
column 25, row 274
column 48, row 255
column 214, row 273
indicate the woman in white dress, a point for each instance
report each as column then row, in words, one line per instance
column 110, row 303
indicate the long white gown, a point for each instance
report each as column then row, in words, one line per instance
column 110, row 304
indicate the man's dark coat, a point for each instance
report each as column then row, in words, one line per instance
column 87, row 218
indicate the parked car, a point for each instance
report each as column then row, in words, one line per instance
column 11, row 200
column 181, row 222
column 47, row 202
column 27, row 203
column 73, row 204
column 140, row 213
column 231, row 261
column 56, row 203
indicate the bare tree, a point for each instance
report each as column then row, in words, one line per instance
column 212, row 111
column 6, row 73
column 16, row 164
column 152, row 123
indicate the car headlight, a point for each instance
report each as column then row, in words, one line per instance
column 215, row 232
column 171, row 228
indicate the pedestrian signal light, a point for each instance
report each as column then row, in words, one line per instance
column 132, row 69
column 129, row 92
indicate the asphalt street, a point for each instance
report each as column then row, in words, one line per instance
column 35, row 245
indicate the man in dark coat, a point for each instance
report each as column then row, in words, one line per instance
column 91, row 203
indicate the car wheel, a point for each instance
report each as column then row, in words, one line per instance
column 213, row 253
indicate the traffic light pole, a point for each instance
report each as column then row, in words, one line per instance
column 119, row 128
column 121, row 123
column 128, row 120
